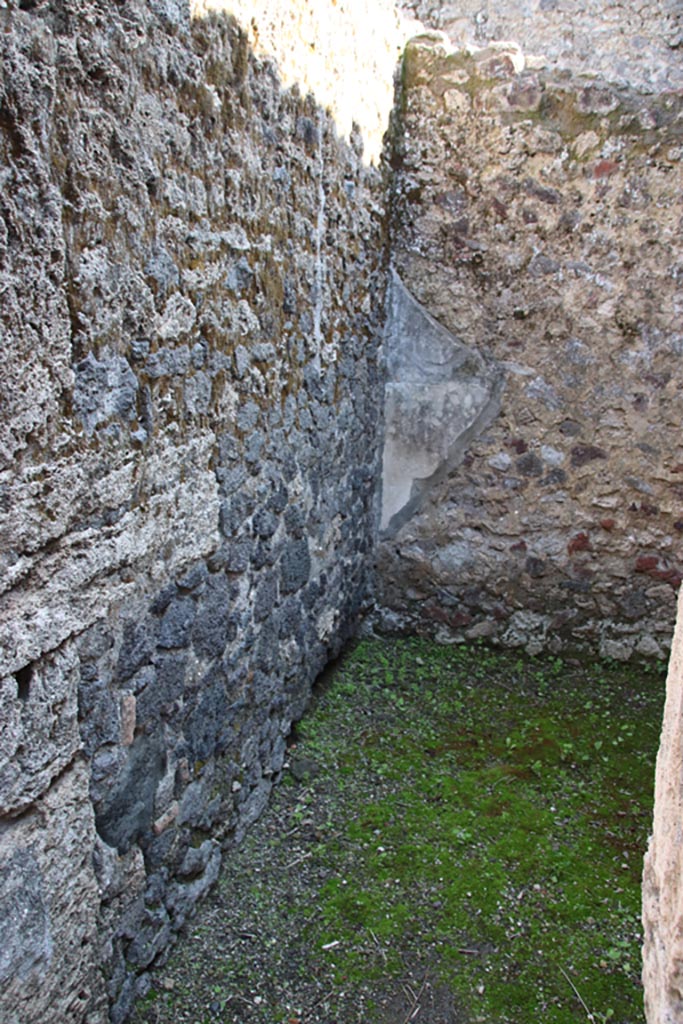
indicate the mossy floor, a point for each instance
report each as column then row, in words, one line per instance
column 459, row 838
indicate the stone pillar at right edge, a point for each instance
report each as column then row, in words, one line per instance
column 663, row 871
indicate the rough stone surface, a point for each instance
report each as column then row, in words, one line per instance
column 192, row 271
column 663, row 873
column 38, row 728
column 537, row 219
column 50, row 955
column 634, row 44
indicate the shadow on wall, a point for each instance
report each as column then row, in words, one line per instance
column 345, row 54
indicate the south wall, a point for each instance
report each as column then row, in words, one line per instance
column 191, row 259
column 533, row 472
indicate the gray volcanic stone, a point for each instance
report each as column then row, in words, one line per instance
column 235, row 513
column 206, row 725
column 163, row 272
column 163, row 688
column 181, row 898
column 139, row 642
column 265, row 599
column 248, row 416
column 168, row 362
column 194, row 578
column 196, row 859
column 98, row 711
column 176, row 625
column 295, row 566
column 236, row 556
column 210, row 630
column 151, row 936
column 265, row 522
column 104, row 389
column 126, row 813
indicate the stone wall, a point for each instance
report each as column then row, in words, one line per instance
column 619, row 41
column 192, row 278
column 663, row 873
column 537, row 220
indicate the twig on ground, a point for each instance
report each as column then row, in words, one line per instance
column 322, row 998
column 241, row 999
column 297, row 860
column 589, row 1015
column 378, row 944
column 415, row 1008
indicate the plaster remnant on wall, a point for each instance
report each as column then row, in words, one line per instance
column 439, row 395
column 663, row 871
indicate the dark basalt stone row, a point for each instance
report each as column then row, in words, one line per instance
column 126, row 814
column 176, row 625
column 212, row 629
column 295, row 566
column 139, row 642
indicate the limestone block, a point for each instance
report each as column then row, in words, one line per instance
column 663, row 871
column 48, row 908
column 79, row 567
column 38, row 728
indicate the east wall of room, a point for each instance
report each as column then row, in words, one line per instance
column 192, row 263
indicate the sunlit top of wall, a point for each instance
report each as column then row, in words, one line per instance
column 620, row 41
column 343, row 51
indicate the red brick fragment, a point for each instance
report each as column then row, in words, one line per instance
column 580, row 542
column 649, row 564
column 646, row 563
column 604, row 168
column 500, row 208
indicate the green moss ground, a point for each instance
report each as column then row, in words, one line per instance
column 467, row 847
